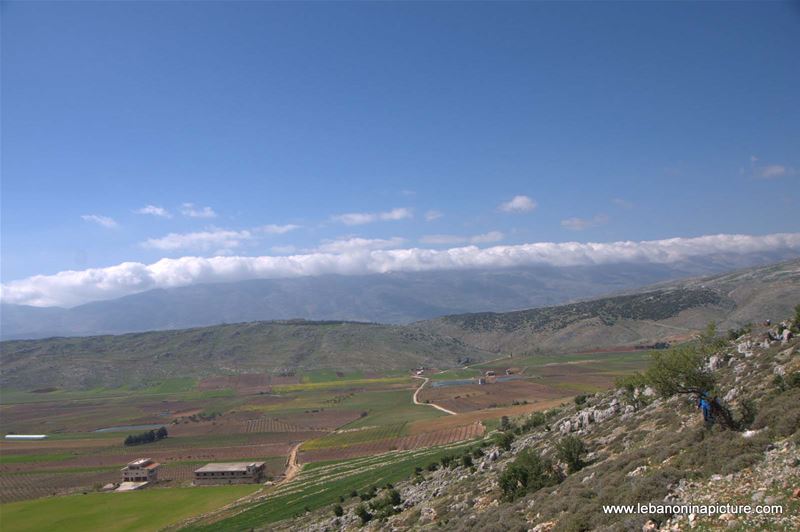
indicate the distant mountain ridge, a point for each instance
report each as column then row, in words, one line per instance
column 667, row 311
column 140, row 359
column 397, row 298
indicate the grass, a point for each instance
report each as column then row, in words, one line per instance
column 388, row 407
column 346, row 439
column 328, row 375
column 466, row 373
column 33, row 458
column 322, row 483
column 344, row 383
column 144, row 510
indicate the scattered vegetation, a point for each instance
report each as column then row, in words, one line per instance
column 571, row 450
column 146, row 437
column 528, row 472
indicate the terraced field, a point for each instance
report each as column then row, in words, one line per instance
column 321, row 484
column 417, row 441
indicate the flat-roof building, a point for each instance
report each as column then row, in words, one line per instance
column 141, row 470
column 230, row 473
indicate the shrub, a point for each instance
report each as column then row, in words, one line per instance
column 363, row 514
column 571, row 450
column 580, row 399
column 338, row 511
column 537, row 419
column 503, row 440
column 146, row 437
column 748, row 413
column 466, row 460
column 505, row 423
column 528, row 472
column 384, row 507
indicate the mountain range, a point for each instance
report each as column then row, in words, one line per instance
column 394, row 298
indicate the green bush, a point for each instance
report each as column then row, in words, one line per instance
column 363, row 514
column 503, row 440
column 537, row 419
column 527, row 473
column 748, row 413
column 338, row 511
column 571, row 450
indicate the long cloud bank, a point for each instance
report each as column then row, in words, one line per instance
column 70, row 288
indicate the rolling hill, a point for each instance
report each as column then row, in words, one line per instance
column 664, row 312
column 141, row 359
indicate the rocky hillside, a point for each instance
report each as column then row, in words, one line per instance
column 634, row 445
column 671, row 311
column 141, row 358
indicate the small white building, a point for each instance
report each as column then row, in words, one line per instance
column 26, row 437
column 141, row 470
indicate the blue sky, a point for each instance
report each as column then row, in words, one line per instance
column 256, row 126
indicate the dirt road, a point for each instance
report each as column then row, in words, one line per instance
column 292, row 467
column 416, row 400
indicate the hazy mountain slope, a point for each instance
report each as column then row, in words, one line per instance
column 144, row 358
column 670, row 310
column 387, row 298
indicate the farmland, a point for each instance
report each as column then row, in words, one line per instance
column 530, row 380
column 358, row 428
column 117, row 511
column 322, row 483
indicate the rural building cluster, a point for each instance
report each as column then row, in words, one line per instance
column 229, row 473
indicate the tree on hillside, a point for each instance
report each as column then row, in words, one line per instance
column 682, row 370
column 796, row 319
column 527, row 473
column 570, row 450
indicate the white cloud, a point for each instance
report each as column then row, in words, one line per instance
column 771, row 171
column 105, row 221
column 193, row 211
column 433, row 215
column 518, row 204
column 486, row 238
column 154, row 211
column 579, row 224
column 356, row 244
column 361, row 218
column 625, row 204
column 277, row 229
column 216, row 239
column 70, row 288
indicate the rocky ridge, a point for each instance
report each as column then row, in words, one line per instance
column 641, row 448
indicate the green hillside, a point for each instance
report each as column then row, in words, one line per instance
column 275, row 347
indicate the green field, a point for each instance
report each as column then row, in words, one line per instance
column 354, row 437
column 136, row 511
column 322, row 484
column 388, row 408
column 32, row 458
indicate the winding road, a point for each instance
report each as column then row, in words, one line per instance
column 437, row 407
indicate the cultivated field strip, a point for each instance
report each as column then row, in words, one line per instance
column 416, row 441
column 18, row 487
column 321, row 484
column 268, row 424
